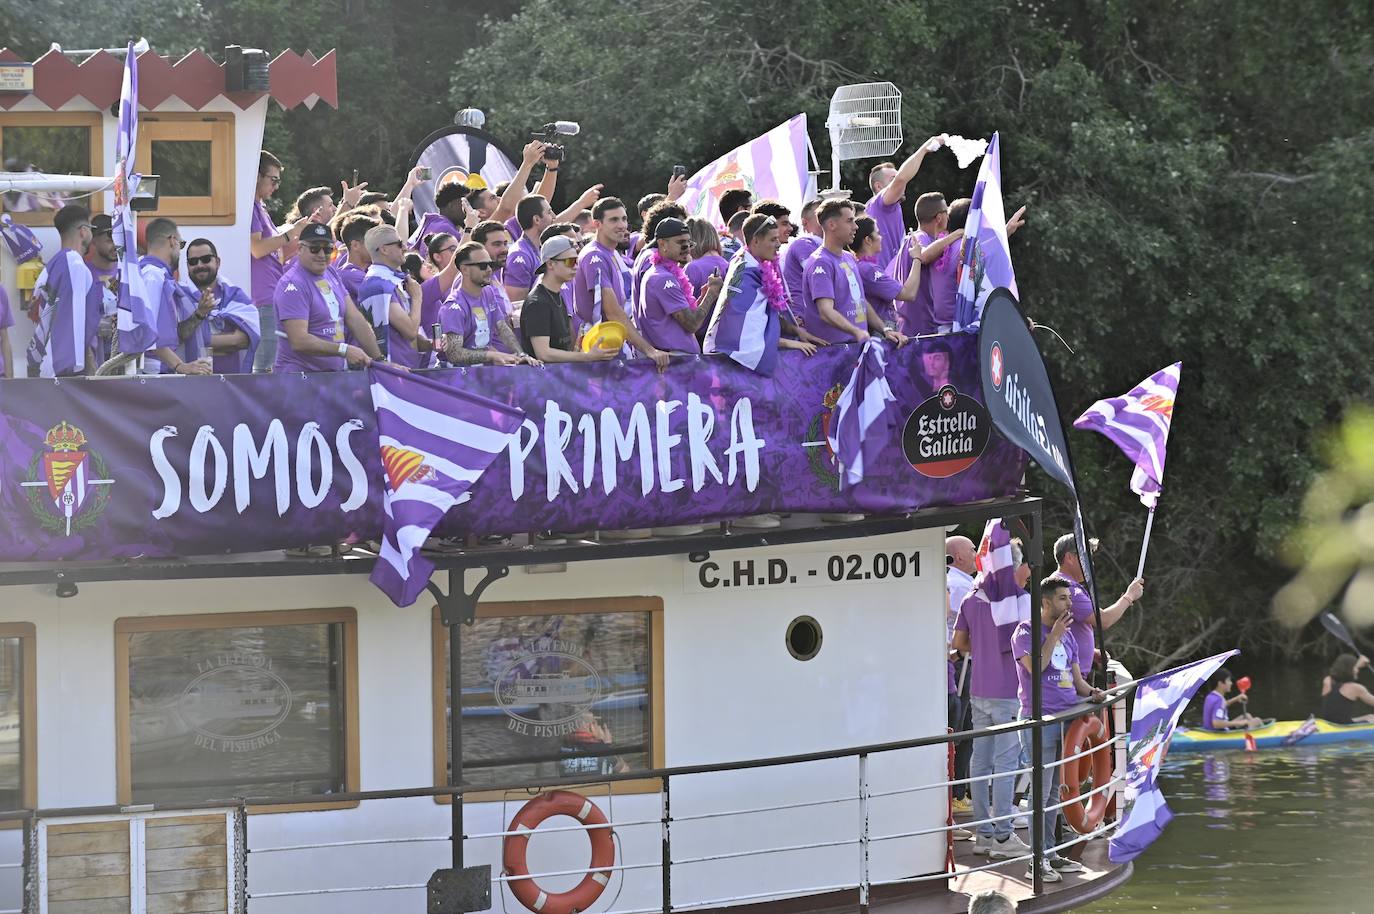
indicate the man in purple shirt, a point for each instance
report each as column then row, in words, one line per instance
column 799, row 249
column 451, row 201
column 992, row 688
column 1070, row 571
column 68, row 302
column 599, row 285
column 476, row 328
column 665, row 311
column 271, row 247
column 888, row 183
column 103, row 259
column 533, row 214
column 939, row 257
column 353, row 229
column 833, row 306
column 1061, row 687
column 314, row 308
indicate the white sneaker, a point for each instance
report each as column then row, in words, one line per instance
column 1047, row 873
column 1009, row 847
column 1021, row 823
column 983, row 845
column 1064, row 864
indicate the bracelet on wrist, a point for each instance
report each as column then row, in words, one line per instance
column 343, row 349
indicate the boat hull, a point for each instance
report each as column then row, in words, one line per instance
column 1270, row 737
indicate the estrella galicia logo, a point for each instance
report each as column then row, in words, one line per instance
column 75, row 478
column 996, row 366
column 946, row 434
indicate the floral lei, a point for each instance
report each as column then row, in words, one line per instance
column 773, row 290
column 674, row 269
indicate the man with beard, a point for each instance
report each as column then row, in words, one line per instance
column 476, row 327
column 832, row 295
column 224, row 323
column 599, row 286
column 493, row 236
column 103, row 260
column 667, row 312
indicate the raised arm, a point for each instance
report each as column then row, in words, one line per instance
column 515, row 192
column 896, row 188
column 931, row 252
column 588, row 198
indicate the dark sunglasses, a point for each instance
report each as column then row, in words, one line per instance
column 483, row 265
column 275, row 179
column 319, row 247
column 197, row 261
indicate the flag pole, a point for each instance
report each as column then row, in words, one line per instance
column 1145, row 543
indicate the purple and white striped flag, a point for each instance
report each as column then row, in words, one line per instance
column 436, row 441
column 1159, row 700
column 864, row 420
column 996, row 579
column 744, row 326
column 1138, row 423
column 985, row 259
column 772, row 167
column 136, row 318
column 20, row 239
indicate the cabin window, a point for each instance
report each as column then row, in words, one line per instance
column 18, row 716
column 238, row 704
column 67, row 143
column 555, row 689
column 193, row 157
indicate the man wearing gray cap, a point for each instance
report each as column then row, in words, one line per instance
column 1071, row 570
column 545, row 331
column 666, row 310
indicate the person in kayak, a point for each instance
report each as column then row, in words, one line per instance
column 1215, row 713
column 1345, row 701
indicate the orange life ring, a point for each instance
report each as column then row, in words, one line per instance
column 1088, row 732
column 530, row 816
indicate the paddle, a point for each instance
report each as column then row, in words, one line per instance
column 1337, row 628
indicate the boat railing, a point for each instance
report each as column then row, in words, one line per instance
column 253, row 877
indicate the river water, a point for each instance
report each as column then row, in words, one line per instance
column 1279, row 830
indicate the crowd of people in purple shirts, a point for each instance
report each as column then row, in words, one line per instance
column 497, row 276
column 990, row 682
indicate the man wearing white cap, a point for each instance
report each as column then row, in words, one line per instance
column 545, row 330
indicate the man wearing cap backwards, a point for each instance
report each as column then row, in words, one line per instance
column 599, row 286
column 390, row 298
column 477, row 330
column 545, row 331
column 1081, row 603
column 103, row 260
column 313, row 308
column 666, row 310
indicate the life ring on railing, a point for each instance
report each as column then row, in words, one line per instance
column 530, row 816
column 1084, row 734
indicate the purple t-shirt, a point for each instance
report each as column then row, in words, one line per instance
column 597, row 266
column 265, row 271
column 474, row 316
column 660, row 296
column 879, row 289
column 1083, row 618
column 352, row 276
column 891, row 229
column 994, row 668
column 320, row 301
column 6, row 320
column 521, row 264
column 833, row 276
column 699, row 270
column 1056, row 684
column 1214, row 710
column 940, row 277
column 793, row 260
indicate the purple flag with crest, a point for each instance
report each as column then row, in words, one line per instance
column 436, row 442
column 985, row 260
column 771, row 167
column 136, row 319
column 864, row 421
column 997, row 576
column 1138, row 423
column 1159, row 700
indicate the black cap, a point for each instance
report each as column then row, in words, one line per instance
column 670, row 228
column 315, row 231
column 101, row 222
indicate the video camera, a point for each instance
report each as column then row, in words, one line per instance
column 549, row 132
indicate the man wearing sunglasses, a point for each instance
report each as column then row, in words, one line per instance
column 1070, row 571
column 545, row 330
column 476, row 328
column 224, row 323
column 103, row 259
column 666, row 310
column 162, row 240
column 390, row 298
column 313, row 311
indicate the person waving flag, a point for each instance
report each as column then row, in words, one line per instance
column 137, row 314
column 996, row 579
column 436, row 442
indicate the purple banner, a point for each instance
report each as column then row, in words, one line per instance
column 100, row 469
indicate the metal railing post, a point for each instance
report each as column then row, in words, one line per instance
column 240, row 874
column 1037, row 711
column 863, row 832
column 666, row 864
column 29, row 883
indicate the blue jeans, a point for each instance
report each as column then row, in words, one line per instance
column 1051, row 735
column 994, row 755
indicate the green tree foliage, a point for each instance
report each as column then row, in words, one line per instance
column 1200, row 178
